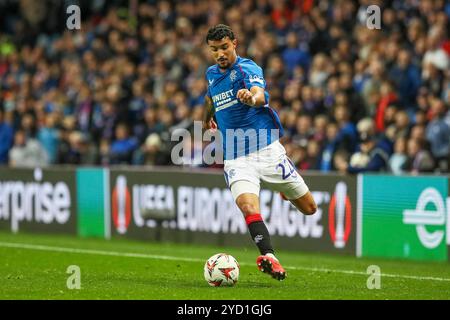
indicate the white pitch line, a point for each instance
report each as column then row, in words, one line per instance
column 160, row 257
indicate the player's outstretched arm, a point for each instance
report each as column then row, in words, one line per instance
column 253, row 97
column 208, row 113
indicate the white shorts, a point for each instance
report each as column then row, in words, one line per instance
column 269, row 165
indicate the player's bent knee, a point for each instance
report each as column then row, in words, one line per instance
column 248, row 204
column 306, row 204
column 310, row 209
column 245, row 194
column 248, row 209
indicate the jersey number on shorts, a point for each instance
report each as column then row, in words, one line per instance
column 290, row 170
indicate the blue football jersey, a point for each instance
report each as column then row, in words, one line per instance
column 244, row 129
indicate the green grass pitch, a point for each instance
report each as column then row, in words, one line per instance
column 35, row 267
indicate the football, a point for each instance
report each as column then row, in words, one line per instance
column 221, row 270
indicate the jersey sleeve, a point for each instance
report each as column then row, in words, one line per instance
column 253, row 75
column 208, row 93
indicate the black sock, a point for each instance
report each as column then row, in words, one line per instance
column 260, row 235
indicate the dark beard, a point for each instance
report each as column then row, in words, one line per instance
column 224, row 68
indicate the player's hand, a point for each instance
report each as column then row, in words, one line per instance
column 210, row 125
column 246, row 97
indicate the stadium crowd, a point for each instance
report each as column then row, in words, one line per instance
column 350, row 98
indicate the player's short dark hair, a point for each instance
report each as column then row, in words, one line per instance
column 219, row 32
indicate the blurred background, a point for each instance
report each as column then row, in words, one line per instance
column 351, row 99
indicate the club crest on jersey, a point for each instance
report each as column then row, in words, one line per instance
column 231, row 173
column 210, row 81
column 233, row 75
column 256, row 78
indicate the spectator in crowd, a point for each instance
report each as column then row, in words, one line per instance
column 71, row 148
column 397, row 161
column 406, row 78
column 304, row 130
column 320, row 128
column 104, row 158
column 313, row 155
column 340, row 161
column 326, row 163
column 123, row 147
column 373, row 157
column 104, row 120
column 324, row 70
column 293, row 55
column 48, row 136
column 300, row 158
column 387, row 97
column 402, row 124
column 6, row 138
column 347, row 135
column 438, row 134
column 151, row 150
column 27, row 152
column 419, row 159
